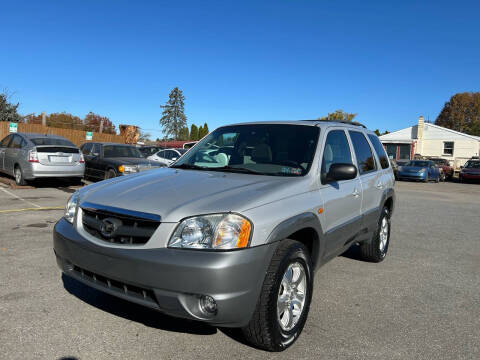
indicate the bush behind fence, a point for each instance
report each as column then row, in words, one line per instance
column 78, row 137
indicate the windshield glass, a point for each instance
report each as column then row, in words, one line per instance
column 439, row 161
column 418, row 163
column 182, row 151
column 277, row 149
column 472, row 164
column 110, row 151
column 51, row 141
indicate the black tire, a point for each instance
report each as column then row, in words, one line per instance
column 110, row 174
column 264, row 330
column 371, row 250
column 18, row 174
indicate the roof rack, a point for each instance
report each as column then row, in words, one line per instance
column 355, row 123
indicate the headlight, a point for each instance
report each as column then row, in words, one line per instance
column 71, row 207
column 127, row 169
column 422, row 171
column 218, row 231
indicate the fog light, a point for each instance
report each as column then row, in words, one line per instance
column 208, row 304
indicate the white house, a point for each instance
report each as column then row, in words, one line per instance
column 431, row 140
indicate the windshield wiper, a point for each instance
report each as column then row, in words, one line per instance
column 237, row 169
column 189, row 166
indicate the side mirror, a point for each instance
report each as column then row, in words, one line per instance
column 340, row 172
column 173, row 159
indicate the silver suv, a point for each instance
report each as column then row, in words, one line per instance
column 232, row 233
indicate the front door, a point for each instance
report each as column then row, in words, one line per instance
column 342, row 199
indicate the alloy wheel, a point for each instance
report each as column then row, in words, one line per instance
column 291, row 296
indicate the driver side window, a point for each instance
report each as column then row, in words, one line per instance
column 336, row 151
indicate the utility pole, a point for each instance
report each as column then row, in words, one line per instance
column 101, row 126
column 44, row 118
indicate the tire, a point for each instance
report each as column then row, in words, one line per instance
column 18, row 174
column 266, row 329
column 375, row 250
column 110, row 174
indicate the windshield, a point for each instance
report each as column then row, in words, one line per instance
column 439, row 161
column 277, row 149
column 51, row 141
column 417, row 163
column 472, row 164
column 111, row 151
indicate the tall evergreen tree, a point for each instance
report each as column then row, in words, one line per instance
column 194, row 132
column 173, row 116
column 183, row 135
column 200, row 132
column 203, row 131
column 8, row 111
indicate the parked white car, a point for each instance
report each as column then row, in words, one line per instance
column 167, row 156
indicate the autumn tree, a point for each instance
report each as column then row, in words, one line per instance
column 338, row 115
column 461, row 113
column 194, row 132
column 92, row 122
column 8, row 111
column 173, row 118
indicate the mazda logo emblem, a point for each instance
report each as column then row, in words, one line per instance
column 109, row 226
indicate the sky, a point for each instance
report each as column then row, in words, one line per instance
column 237, row 61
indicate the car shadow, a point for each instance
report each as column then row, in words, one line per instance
column 353, row 253
column 134, row 312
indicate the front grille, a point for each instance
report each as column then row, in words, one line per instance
column 116, row 286
column 119, row 228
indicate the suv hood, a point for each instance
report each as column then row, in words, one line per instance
column 177, row 193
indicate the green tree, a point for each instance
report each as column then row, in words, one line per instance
column 461, row 113
column 173, row 116
column 193, row 132
column 377, row 132
column 8, row 111
column 183, row 134
column 338, row 115
column 203, row 131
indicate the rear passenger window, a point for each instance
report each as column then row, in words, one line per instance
column 363, row 152
column 382, row 156
column 336, row 151
column 5, row 141
column 16, row 142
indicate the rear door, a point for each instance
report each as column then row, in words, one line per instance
column 97, row 168
column 3, row 148
column 370, row 178
column 12, row 154
column 342, row 199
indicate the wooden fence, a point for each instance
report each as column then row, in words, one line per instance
column 78, row 137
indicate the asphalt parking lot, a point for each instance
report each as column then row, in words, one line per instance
column 422, row 302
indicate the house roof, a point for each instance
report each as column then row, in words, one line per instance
column 410, row 134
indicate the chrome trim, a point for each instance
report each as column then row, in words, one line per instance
column 114, row 210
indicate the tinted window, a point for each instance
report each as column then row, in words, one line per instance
column 96, row 148
column 377, row 145
column 111, row 151
column 5, row 141
column 265, row 149
column 170, row 154
column 472, row 165
column 16, row 143
column 363, row 152
column 51, row 141
column 161, row 154
column 87, row 148
column 336, row 151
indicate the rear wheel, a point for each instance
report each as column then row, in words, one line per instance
column 376, row 249
column 110, row 174
column 284, row 302
column 19, row 180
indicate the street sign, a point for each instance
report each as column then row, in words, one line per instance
column 89, row 135
column 13, row 127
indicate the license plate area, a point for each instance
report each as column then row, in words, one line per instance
column 59, row 159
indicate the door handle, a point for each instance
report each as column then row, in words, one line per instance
column 379, row 185
column 355, row 193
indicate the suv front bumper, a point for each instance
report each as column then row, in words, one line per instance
column 169, row 280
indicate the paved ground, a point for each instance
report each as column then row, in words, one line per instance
column 422, row 302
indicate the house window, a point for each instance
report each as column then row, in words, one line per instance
column 448, row 148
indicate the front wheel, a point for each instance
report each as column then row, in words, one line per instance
column 376, row 249
column 284, row 302
column 110, row 174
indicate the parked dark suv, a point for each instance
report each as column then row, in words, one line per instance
column 231, row 233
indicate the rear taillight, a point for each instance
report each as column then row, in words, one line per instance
column 32, row 156
column 82, row 159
